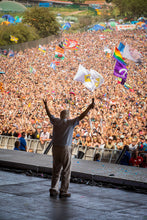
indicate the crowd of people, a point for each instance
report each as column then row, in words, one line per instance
column 119, row 116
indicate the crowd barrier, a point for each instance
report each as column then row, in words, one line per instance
column 88, row 153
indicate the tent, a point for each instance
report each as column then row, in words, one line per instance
column 112, row 23
column 5, row 22
column 9, row 18
column 97, row 27
column 134, row 22
column 18, row 19
column 107, row 30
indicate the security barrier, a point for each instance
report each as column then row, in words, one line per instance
column 78, row 151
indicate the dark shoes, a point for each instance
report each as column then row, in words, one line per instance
column 53, row 193
column 64, row 195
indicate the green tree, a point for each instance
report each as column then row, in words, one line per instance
column 131, row 8
column 21, row 31
column 108, row 1
column 43, row 20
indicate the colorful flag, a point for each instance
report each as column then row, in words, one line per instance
column 59, row 50
column 117, row 55
column 66, row 26
column 12, row 38
column 120, row 70
column 42, row 49
column 59, row 56
column 121, row 47
column 71, row 44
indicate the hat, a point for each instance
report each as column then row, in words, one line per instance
column 110, row 138
column 122, row 136
column 77, row 135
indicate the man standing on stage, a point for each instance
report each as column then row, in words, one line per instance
column 62, row 139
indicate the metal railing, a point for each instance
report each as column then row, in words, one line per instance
column 78, row 151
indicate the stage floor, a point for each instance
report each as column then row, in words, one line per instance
column 27, row 198
column 86, row 170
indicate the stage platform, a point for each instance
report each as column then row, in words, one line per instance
column 95, row 173
column 27, row 198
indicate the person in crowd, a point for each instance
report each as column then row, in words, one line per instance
column 135, row 159
column 23, row 144
column 121, row 143
column 109, row 143
column 97, row 157
column 125, row 160
column 44, row 137
column 89, row 142
column 17, row 145
column 62, row 139
column 133, row 146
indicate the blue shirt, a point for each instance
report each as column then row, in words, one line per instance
column 63, row 130
column 22, row 144
column 125, row 159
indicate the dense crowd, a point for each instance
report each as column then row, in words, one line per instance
column 119, row 116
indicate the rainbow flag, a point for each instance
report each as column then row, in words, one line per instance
column 117, row 56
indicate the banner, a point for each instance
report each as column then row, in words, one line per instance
column 125, row 27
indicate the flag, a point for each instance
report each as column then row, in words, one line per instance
column 120, row 70
column 117, row 55
column 91, row 79
column 66, row 26
column 59, row 50
column 121, row 47
column 1, row 72
column 12, row 38
column 42, row 49
column 97, row 79
column 131, row 53
column 53, row 66
column 59, row 53
column 71, row 44
column 107, row 50
column 59, row 56
column 81, row 74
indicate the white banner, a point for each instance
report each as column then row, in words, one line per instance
column 125, row 27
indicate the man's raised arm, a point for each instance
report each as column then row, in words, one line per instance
column 47, row 109
column 83, row 114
